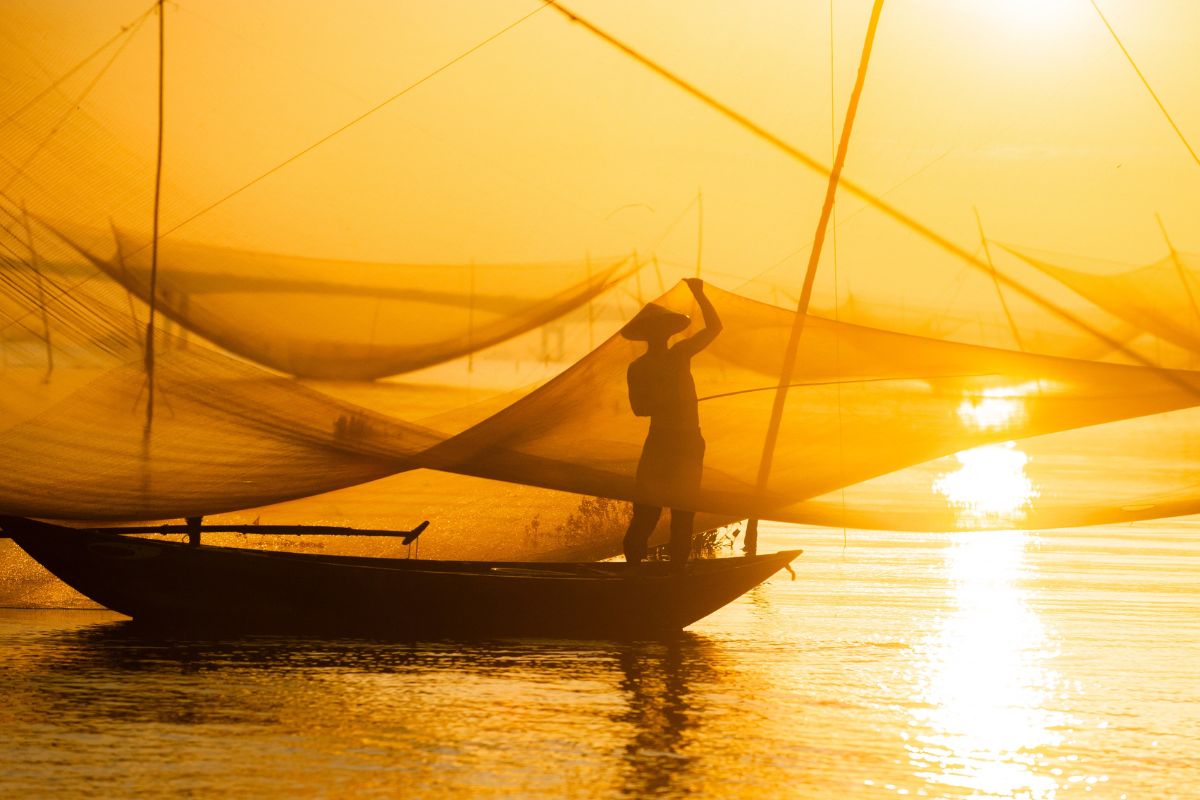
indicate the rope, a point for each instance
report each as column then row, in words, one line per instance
column 158, row 164
column 837, row 310
column 68, row 288
column 878, row 203
column 810, row 275
column 355, row 121
column 844, row 221
column 129, row 33
column 1146, row 83
column 136, row 21
column 845, row 381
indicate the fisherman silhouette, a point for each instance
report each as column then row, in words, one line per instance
column 661, row 388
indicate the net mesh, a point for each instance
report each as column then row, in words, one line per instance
column 1159, row 298
column 352, row 260
column 230, row 436
column 344, row 320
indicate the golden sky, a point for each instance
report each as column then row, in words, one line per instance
column 520, row 136
column 547, row 143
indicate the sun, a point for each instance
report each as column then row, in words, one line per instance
column 1033, row 12
column 1026, row 16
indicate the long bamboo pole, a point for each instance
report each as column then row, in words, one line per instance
column 750, row 543
column 879, row 204
column 158, row 162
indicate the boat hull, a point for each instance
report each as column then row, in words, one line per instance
column 171, row 584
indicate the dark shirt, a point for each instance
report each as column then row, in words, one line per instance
column 661, row 387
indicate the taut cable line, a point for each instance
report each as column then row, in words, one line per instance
column 341, row 129
column 301, row 153
column 750, row 543
column 843, row 221
column 879, row 204
column 837, row 342
column 158, row 164
column 1146, row 83
column 73, row 106
column 136, row 21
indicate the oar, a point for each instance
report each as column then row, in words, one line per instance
column 407, row 537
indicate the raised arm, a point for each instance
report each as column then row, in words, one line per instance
column 712, row 323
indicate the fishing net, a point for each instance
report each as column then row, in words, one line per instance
column 1159, row 298
column 347, row 320
column 289, row 243
column 866, row 403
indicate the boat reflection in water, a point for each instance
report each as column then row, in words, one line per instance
column 522, row 717
column 660, row 712
column 985, row 723
column 970, row 665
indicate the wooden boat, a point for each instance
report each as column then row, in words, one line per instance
column 198, row 586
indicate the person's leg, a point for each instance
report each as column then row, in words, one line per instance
column 638, row 534
column 682, row 523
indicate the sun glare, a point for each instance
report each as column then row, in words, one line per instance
column 984, row 726
column 990, row 486
column 989, row 413
column 997, row 407
column 1028, row 15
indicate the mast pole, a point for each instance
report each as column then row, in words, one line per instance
column 876, row 202
column 750, row 544
column 1145, row 82
column 154, row 229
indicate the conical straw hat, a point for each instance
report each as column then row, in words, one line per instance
column 654, row 321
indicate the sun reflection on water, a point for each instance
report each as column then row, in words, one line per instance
column 986, row 724
column 990, row 486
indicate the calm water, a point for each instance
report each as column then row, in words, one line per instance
column 973, row 665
